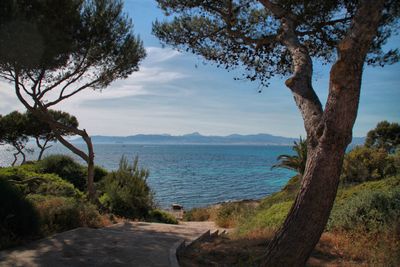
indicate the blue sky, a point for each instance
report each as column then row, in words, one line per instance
column 176, row 93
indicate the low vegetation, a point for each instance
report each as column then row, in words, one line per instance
column 364, row 227
column 160, row 216
column 42, row 203
column 45, row 197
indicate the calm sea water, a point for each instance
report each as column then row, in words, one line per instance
column 196, row 175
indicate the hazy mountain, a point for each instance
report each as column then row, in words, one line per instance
column 193, row 138
column 196, row 138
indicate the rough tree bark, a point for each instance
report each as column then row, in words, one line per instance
column 329, row 132
column 41, row 113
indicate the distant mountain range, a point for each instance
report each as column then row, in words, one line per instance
column 196, row 138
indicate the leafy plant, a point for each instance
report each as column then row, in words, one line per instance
column 63, row 213
column 197, row 214
column 65, row 167
column 369, row 211
column 18, row 217
column 161, row 216
column 230, row 214
column 385, row 135
column 295, row 162
column 99, row 173
column 365, row 164
column 126, row 192
column 29, row 181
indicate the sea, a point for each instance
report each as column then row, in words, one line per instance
column 194, row 175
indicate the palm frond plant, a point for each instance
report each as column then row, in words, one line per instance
column 296, row 162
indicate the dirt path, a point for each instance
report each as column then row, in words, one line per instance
column 124, row 244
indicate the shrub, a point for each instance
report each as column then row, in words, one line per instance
column 229, row 214
column 197, row 214
column 65, row 167
column 62, row 213
column 368, row 211
column 28, row 181
column 366, row 164
column 270, row 218
column 54, row 185
column 126, row 192
column 161, row 216
column 18, row 218
column 99, row 173
column 395, row 158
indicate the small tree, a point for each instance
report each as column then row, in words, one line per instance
column 14, row 133
column 43, row 134
column 52, row 50
column 385, row 135
column 295, row 162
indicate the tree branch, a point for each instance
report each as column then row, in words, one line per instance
column 78, row 69
column 318, row 27
column 54, row 125
column 62, row 97
column 278, row 11
column 300, row 82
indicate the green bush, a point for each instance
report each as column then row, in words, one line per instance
column 99, row 173
column 366, row 164
column 161, row 216
column 65, row 167
column 62, row 213
column 126, row 192
column 18, row 217
column 369, row 211
column 28, row 181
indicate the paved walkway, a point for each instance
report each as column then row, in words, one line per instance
column 125, row 244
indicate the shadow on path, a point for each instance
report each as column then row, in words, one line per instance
column 124, row 244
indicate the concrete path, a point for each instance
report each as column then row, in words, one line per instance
column 125, row 244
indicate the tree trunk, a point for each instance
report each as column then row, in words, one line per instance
column 23, row 158
column 42, row 149
column 88, row 158
column 328, row 137
column 15, row 159
column 19, row 149
column 308, row 216
column 90, row 162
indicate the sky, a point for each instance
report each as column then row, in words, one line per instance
column 178, row 93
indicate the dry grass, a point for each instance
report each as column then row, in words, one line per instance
column 333, row 249
column 226, row 215
column 382, row 249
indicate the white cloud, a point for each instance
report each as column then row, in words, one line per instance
column 8, row 99
column 158, row 55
